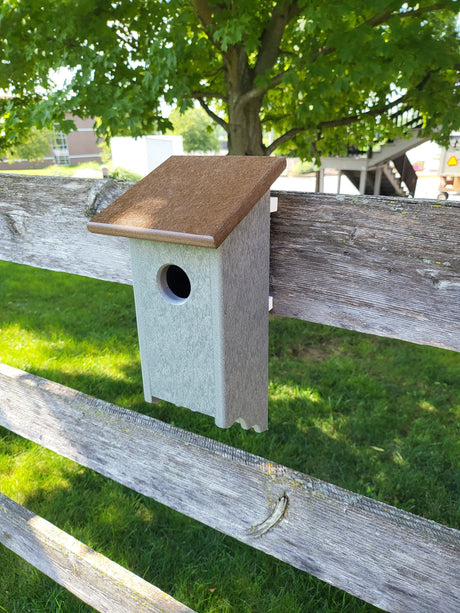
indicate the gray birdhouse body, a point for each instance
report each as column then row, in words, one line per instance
column 199, row 230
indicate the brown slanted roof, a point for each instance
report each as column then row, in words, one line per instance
column 190, row 200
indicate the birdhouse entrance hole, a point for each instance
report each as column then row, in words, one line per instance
column 174, row 283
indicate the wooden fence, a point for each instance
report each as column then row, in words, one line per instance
column 385, row 266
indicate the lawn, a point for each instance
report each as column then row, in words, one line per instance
column 57, row 171
column 374, row 415
column 87, row 169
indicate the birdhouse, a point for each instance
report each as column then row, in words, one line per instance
column 199, row 230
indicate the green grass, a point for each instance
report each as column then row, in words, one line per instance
column 376, row 416
column 78, row 170
column 55, row 171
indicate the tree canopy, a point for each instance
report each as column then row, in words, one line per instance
column 309, row 75
column 35, row 146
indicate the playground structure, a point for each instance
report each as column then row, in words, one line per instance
column 384, row 169
column 449, row 169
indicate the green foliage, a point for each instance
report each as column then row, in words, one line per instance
column 125, row 174
column 35, row 146
column 374, row 415
column 318, row 75
column 197, row 132
column 304, row 168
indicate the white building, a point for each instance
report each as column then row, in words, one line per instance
column 142, row 155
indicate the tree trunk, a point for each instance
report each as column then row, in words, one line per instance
column 245, row 128
column 245, row 134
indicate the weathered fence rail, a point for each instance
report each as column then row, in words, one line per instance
column 380, row 265
column 353, row 542
column 92, row 577
column 384, row 266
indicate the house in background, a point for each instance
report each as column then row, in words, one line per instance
column 79, row 146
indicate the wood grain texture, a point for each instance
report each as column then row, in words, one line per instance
column 43, row 223
column 190, row 200
column 379, row 265
column 386, row 266
column 95, row 579
column 388, row 557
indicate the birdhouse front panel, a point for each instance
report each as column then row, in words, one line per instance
column 174, row 288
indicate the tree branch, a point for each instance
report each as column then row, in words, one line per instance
column 377, row 20
column 278, row 79
column 425, row 9
column 208, row 94
column 382, row 17
column 346, row 121
column 221, row 122
column 283, row 139
column 203, row 12
column 334, row 123
column 259, row 92
column 273, row 118
column 351, row 119
column 271, row 37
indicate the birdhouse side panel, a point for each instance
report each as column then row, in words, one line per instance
column 179, row 330
column 245, row 288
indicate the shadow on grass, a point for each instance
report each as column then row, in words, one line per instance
column 375, row 416
column 195, row 564
column 363, row 438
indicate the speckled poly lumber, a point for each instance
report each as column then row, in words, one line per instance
column 209, row 352
column 190, row 200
